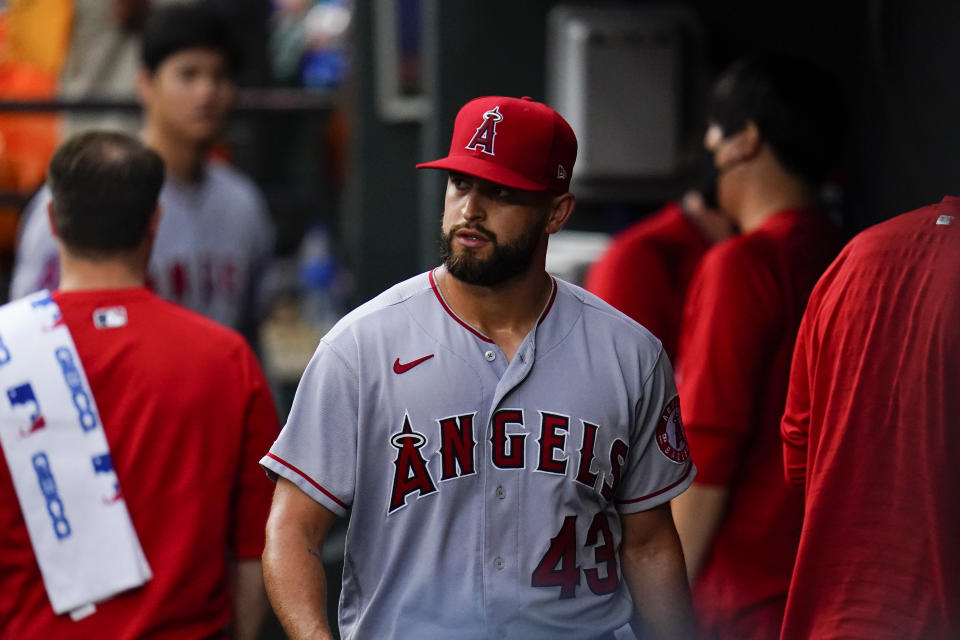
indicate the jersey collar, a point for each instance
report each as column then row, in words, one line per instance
column 468, row 327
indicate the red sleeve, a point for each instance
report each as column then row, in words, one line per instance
column 728, row 326
column 633, row 279
column 795, row 426
column 254, row 490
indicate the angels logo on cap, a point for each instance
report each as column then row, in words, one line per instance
column 535, row 147
column 486, row 132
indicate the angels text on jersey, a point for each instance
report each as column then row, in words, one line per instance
column 508, row 450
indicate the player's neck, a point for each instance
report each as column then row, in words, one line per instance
column 85, row 275
column 122, row 272
column 183, row 159
column 505, row 313
column 773, row 191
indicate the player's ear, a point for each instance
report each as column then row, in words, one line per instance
column 560, row 209
column 746, row 142
column 154, row 222
column 53, row 226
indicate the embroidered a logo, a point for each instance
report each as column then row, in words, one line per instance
column 670, row 437
column 486, row 132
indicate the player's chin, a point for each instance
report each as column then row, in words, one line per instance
column 463, row 260
column 203, row 130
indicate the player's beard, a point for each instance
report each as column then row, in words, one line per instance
column 505, row 262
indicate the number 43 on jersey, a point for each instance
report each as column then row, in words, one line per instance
column 559, row 568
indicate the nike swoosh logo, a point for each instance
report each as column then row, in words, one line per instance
column 399, row 367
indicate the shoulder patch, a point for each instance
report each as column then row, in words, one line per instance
column 670, row 437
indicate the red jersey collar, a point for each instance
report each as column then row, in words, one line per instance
column 450, row 312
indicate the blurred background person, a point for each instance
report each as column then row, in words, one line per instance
column 870, row 433
column 216, row 236
column 102, row 58
column 772, row 131
column 183, row 404
column 646, row 269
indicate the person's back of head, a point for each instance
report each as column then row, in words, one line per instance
column 182, row 26
column 105, row 186
column 794, row 105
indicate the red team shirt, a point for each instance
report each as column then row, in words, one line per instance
column 872, row 426
column 646, row 271
column 740, row 322
column 188, row 414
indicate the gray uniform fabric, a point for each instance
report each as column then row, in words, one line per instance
column 477, row 509
column 214, row 241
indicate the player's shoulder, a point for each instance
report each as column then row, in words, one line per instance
column 229, row 183
column 735, row 255
column 911, row 226
column 194, row 332
column 226, row 176
column 34, row 216
column 40, row 198
column 377, row 314
column 603, row 317
column 652, row 231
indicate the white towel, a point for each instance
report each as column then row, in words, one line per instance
column 59, row 459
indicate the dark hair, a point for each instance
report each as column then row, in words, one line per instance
column 105, row 186
column 176, row 27
column 795, row 106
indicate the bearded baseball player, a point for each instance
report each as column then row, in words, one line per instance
column 505, row 443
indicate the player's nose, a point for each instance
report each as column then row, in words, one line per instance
column 471, row 207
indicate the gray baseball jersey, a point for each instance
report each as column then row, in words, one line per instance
column 213, row 242
column 484, row 496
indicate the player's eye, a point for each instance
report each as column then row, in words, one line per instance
column 187, row 74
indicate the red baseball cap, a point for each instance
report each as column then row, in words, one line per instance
column 516, row 142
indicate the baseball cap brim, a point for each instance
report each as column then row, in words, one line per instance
column 482, row 168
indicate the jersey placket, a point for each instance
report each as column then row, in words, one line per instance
column 504, row 496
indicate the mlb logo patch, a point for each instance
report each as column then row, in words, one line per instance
column 24, row 403
column 110, row 317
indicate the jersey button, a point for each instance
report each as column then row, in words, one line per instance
column 499, row 563
column 501, row 493
column 490, row 356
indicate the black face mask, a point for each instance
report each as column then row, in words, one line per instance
column 704, row 180
column 708, row 187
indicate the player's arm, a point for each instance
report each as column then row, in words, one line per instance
column 795, row 424
column 730, row 319
column 697, row 513
column 292, row 565
column 249, row 599
column 653, row 567
column 251, row 499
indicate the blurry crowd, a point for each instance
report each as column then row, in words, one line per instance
column 818, row 377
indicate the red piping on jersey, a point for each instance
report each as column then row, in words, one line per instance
column 656, row 493
column 553, row 296
column 308, row 479
column 443, row 303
